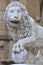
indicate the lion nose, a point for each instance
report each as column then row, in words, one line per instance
column 15, row 17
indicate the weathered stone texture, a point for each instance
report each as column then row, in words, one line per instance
column 33, row 7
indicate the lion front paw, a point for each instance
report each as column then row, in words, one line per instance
column 17, row 48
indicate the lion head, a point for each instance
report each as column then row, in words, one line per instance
column 16, row 15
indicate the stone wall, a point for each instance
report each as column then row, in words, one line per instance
column 3, row 30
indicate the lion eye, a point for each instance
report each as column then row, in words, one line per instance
column 11, row 11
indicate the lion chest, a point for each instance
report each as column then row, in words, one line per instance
column 23, row 31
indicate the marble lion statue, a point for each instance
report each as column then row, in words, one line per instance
column 22, row 27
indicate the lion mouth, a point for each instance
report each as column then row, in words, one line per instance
column 15, row 22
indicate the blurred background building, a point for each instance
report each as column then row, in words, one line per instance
column 35, row 9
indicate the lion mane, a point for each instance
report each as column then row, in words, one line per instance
column 24, row 28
